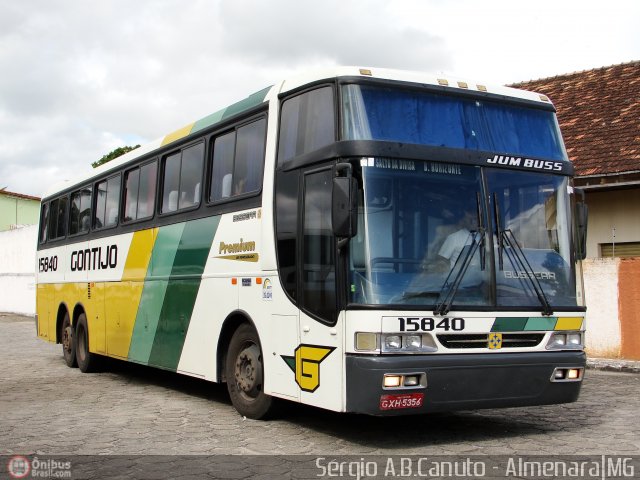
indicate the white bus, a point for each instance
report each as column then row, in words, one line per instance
column 360, row 240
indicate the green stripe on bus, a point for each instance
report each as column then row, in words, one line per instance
column 509, row 324
column 251, row 101
column 181, row 293
column 248, row 103
column 153, row 292
column 541, row 323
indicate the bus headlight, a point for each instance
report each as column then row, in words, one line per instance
column 408, row 343
column 402, row 343
column 392, row 342
column 413, row 342
column 566, row 341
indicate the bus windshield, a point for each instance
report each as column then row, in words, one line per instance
column 409, row 116
column 434, row 233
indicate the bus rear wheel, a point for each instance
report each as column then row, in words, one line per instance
column 244, row 370
column 68, row 342
column 86, row 360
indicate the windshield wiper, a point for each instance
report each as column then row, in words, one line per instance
column 522, row 263
column 464, row 261
column 506, row 236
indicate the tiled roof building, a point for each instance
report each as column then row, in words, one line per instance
column 599, row 115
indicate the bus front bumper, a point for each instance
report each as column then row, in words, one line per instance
column 461, row 381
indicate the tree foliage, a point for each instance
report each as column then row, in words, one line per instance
column 113, row 154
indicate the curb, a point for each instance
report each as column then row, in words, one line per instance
column 613, row 365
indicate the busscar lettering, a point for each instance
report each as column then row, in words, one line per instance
column 509, row 161
column 538, row 275
column 96, row 258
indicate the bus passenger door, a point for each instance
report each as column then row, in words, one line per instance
column 318, row 357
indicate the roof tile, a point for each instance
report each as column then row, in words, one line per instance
column 599, row 115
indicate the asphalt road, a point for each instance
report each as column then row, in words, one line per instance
column 47, row 408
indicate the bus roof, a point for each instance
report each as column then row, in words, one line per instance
column 446, row 82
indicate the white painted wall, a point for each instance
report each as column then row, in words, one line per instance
column 601, row 293
column 17, row 270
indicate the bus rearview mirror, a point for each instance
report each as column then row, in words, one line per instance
column 582, row 214
column 344, row 208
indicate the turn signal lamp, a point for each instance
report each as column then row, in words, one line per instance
column 567, row 374
column 366, row 341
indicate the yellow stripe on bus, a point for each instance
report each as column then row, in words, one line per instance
column 569, row 323
column 178, row 134
column 122, row 298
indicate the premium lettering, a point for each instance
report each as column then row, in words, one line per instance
column 239, row 247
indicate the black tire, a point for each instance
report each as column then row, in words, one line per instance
column 245, row 374
column 87, row 361
column 68, row 340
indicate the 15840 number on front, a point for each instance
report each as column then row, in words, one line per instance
column 428, row 324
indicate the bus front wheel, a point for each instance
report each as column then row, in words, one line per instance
column 86, row 360
column 68, row 342
column 245, row 374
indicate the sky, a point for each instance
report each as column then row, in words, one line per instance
column 79, row 78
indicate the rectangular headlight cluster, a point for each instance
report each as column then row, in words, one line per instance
column 395, row 342
column 566, row 341
column 407, row 343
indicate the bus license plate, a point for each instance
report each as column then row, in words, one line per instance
column 405, row 400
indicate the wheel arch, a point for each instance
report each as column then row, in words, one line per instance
column 62, row 309
column 229, row 327
column 77, row 311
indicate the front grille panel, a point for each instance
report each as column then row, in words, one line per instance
column 480, row 340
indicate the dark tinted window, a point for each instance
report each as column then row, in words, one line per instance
column 44, row 222
column 57, row 218
column 182, row 180
column 80, row 214
column 139, row 194
column 191, row 176
column 107, row 202
column 318, row 270
column 147, row 190
column 171, row 183
column 238, row 161
column 222, row 171
column 307, row 123
column 286, row 212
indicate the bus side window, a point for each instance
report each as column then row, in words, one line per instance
column 107, row 202
column 222, row 171
column 307, row 122
column 249, row 157
column 139, row 192
column 181, row 179
column 191, row 176
column 80, row 211
column 44, row 222
column 238, row 161
column 57, row 218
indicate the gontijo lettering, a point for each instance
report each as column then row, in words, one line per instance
column 95, row 258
